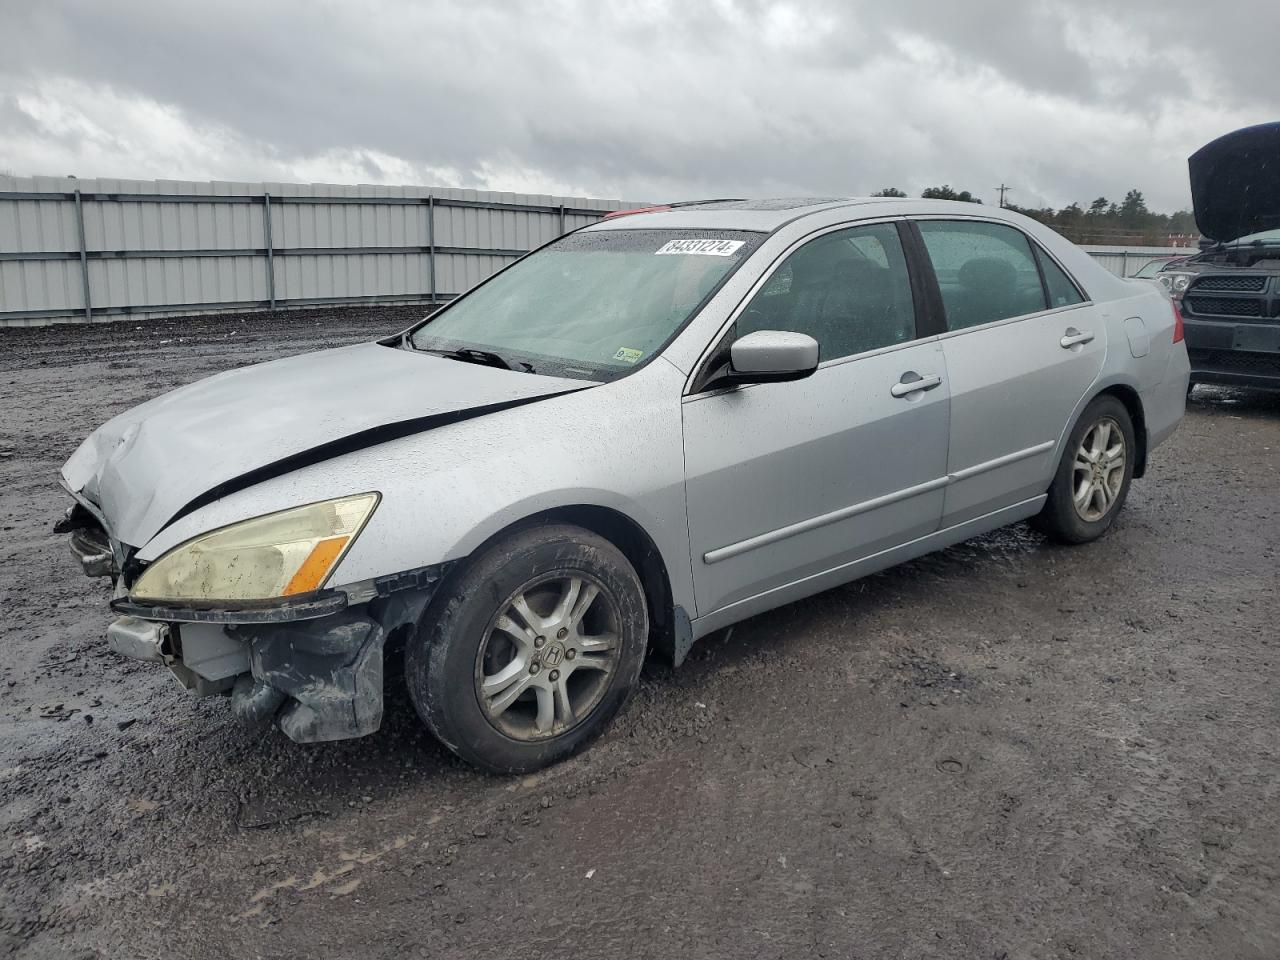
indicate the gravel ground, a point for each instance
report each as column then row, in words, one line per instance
column 1006, row 750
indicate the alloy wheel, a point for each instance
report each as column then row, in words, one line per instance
column 1097, row 474
column 548, row 656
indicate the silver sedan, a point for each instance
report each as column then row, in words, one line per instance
column 640, row 433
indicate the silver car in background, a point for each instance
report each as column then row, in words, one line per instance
column 641, row 433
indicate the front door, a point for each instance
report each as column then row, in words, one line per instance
column 788, row 480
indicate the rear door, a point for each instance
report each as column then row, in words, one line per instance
column 1022, row 347
column 787, row 480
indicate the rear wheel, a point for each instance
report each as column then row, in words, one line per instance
column 528, row 652
column 1093, row 476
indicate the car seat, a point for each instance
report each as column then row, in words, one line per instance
column 988, row 291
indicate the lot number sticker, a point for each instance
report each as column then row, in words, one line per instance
column 706, row 248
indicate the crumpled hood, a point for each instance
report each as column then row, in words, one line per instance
column 144, row 466
column 1235, row 183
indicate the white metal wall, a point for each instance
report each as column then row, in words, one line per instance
column 170, row 247
column 167, row 247
column 1126, row 261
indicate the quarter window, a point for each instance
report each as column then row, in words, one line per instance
column 985, row 271
column 849, row 290
column 1062, row 292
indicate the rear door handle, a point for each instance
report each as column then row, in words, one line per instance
column 905, row 387
column 1073, row 337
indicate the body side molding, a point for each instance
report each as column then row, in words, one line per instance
column 844, row 513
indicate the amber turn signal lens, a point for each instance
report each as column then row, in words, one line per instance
column 316, row 567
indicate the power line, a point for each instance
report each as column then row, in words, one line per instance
column 1003, row 189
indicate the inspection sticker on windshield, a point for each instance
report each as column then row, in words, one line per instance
column 628, row 354
column 706, row 248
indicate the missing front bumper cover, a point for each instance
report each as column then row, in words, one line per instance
column 313, row 665
column 322, row 679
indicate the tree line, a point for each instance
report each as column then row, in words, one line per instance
column 1103, row 221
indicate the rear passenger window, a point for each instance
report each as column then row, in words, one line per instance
column 986, row 271
column 849, row 290
column 1062, row 292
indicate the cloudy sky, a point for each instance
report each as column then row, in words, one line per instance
column 646, row 99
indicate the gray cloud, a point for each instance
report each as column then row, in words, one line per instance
column 1063, row 100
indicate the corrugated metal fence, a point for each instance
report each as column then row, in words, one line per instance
column 99, row 249
column 1126, row 261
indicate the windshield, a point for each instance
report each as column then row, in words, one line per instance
column 1266, row 236
column 594, row 304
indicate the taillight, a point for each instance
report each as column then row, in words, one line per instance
column 627, row 213
column 1177, row 323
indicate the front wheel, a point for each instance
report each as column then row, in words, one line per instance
column 1093, row 477
column 528, row 652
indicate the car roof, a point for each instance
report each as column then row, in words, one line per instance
column 769, row 214
column 773, row 216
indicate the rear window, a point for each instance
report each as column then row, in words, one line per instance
column 986, row 271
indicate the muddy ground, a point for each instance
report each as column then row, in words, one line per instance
column 1008, row 750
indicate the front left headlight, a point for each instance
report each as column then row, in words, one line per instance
column 279, row 555
column 1175, row 283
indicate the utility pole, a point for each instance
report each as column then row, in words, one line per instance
column 1003, row 189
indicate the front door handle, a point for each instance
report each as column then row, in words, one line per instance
column 1074, row 337
column 912, row 382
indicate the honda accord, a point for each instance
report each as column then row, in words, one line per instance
column 638, row 434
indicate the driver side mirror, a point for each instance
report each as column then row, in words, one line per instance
column 771, row 356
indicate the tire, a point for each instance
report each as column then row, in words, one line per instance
column 506, row 638
column 1061, row 519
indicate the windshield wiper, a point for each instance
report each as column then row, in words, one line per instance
column 485, row 358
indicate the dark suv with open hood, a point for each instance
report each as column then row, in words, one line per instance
column 1230, row 291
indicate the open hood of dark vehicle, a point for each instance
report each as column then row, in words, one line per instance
column 1235, row 183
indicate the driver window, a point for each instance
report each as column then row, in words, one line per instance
column 849, row 290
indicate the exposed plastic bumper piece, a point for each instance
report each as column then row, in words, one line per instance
column 323, row 676
column 314, row 665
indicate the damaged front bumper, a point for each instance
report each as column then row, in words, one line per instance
column 314, row 665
